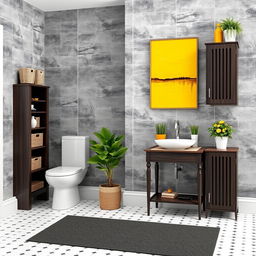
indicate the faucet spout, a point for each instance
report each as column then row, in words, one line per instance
column 177, row 129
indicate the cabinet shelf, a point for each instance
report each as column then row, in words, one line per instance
column 35, row 101
column 38, row 128
column 158, row 198
column 39, row 170
column 35, row 148
column 38, row 112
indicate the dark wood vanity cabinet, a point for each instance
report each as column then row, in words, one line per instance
column 221, row 180
column 29, row 178
column 221, row 73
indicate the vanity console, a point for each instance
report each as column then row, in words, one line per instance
column 216, row 177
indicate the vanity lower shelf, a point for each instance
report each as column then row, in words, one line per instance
column 159, row 199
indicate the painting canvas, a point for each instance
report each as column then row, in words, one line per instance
column 174, row 73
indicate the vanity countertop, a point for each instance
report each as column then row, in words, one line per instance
column 197, row 150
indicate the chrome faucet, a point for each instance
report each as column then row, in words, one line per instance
column 177, row 129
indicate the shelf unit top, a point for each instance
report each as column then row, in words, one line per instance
column 32, row 85
column 223, row 43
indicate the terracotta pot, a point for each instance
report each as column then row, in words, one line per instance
column 160, row 136
column 110, row 197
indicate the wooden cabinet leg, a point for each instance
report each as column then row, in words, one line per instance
column 199, row 186
column 148, row 186
column 156, row 179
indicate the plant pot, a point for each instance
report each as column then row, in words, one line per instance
column 230, row 35
column 110, row 197
column 221, row 142
column 195, row 138
column 160, row 136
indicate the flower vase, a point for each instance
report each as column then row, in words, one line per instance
column 221, row 142
column 195, row 138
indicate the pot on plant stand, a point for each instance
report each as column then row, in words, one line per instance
column 109, row 152
column 230, row 29
column 221, row 142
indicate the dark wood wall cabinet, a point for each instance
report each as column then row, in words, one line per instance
column 221, row 180
column 30, row 162
column 221, row 73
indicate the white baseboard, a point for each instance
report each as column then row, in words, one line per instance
column 138, row 198
column 8, row 207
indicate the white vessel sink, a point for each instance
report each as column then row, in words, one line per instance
column 175, row 143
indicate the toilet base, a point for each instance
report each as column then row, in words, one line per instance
column 65, row 198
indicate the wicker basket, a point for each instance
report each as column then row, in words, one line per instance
column 37, row 140
column 36, row 184
column 27, row 75
column 36, row 163
column 37, row 121
column 39, row 77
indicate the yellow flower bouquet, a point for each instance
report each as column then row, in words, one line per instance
column 221, row 129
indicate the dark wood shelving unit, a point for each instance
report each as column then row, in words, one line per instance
column 221, row 73
column 22, row 149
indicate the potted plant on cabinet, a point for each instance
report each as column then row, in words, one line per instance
column 160, row 131
column 230, row 29
column 194, row 134
column 221, row 131
column 109, row 152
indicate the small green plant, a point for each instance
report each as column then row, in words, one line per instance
column 194, row 129
column 161, row 128
column 221, row 129
column 109, row 152
column 230, row 23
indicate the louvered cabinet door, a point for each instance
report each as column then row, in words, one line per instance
column 221, row 181
column 221, row 73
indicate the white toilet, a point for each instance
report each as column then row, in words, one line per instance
column 66, row 178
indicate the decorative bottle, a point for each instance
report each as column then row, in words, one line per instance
column 218, row 34
column 33, row 122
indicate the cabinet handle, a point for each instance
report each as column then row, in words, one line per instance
column 209, row 197
column 209, row 93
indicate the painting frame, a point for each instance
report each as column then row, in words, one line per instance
column 196, row 64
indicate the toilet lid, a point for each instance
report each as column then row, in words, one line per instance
column 63, row 171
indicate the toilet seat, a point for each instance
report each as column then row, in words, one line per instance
column 63, row 171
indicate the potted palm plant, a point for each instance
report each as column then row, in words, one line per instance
column 109, row 152
column 230, row 29
column 221, row 131
column 194, row 134
column 160, row 131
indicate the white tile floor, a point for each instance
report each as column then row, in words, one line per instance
column 235, row 238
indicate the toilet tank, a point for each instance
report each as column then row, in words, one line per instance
column 75, row 151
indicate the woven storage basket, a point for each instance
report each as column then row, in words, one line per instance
column 37, row 140
column 36, row 163
column 37, row 121
column 27, row 75
column 36, row 184
column 39, row 77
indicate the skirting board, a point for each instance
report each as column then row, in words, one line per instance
column 8, row 207
column 138, row 198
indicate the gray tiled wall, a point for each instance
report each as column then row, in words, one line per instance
column 23, row 47
column 151, row 19
column 84, row 62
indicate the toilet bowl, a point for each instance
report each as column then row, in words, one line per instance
column 65, row 181
column 66, row 178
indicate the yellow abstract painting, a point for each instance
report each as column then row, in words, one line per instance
column 173, row 73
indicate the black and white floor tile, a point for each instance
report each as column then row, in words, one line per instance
column 235, row 238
